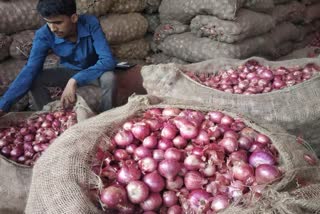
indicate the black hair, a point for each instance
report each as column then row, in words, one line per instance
column 48, row 8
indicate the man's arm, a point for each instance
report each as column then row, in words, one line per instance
column 20, row 86
column 105, row 62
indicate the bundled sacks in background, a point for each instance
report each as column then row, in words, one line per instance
column 259, row 5
column 291, row 12
column 294, row 108
column 19, row 15
column 247, row 24
column 136, row 49
column 5, row 42
column 97, row 8
column 21, row 45
column 72, row 154
column 312, row 12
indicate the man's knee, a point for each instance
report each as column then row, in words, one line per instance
column 107, row 79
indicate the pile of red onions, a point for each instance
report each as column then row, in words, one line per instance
column 171, row 160
column 27, row 140
column 253, row 78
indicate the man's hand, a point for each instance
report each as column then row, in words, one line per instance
column 68, row 97
column 2, row 113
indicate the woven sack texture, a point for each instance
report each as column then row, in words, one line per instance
column 120, row 28
column 184, row 10
column 282, row 1
column 15, row 182
column 302, row 53
column 94, row 7
column 153, row 22
column 128, row 6
column 308, row 2
column 170, row 28
column 152, row 6
column 312, row 12
column 92, row 95
column 247, row 24
column 9, row 69
column 293, row 108
column 21, row 45
column 137, row 49
column 259, row 5
column 5, row 42
column 291, row 12
column 65, row 172
column 161, row 58
column 19, row 15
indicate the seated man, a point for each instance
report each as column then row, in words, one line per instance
column 84, row 52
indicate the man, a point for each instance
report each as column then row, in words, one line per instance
column 85, row 57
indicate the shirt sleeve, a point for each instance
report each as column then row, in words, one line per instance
column 21, row 85
column 105, row 62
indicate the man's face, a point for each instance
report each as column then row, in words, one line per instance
column 62, row 26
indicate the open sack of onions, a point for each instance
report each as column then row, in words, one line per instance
column 24, row 137
column 157, row 155
column 282, row 93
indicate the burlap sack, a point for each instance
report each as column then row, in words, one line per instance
column 184, row 10
column 308, row 2
column 291, row 12
column 64, row 171
column 259, row 5
column 92, row 95
column 312, row 12
column 128, row 6
column 5, row 42
column 120, row 28
column 161, row 58
column 21, row 45
column 137, row 49
column 169, row 28
column 247, row 24
column 294, row 108
column 15, row 178
column 19, row 15
column 282, row 1
column 9, row 69
column 94, row 7
column 302, row 53
column 153, row 22
column 152, row 6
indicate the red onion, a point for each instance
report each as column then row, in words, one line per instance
column 174, row 184
column 137, row 191
column 158, row 154
column 169, row 198
column 121, row 154
column 140, row 131
column 238, row 156
column 193, row 162
column 113, row 195
column 176, row 209
column 199, row 200
column 216, row 116
column 170, row 112
column 310, row 159
column 154, row 124
column 164, row 144
column 154, row 181
column 169, row 131
column 263, row 139
column 266, row 173
column 188, row 131
column 142, row 152
column 194, row 180
column 231, row 134
column 173, row 153
column 3, row 143
column 154, row 111
column 242, row 171
column 150, row 142
column 123, row 138
column 148, row 164
column 169, row 168
column 229, row 144
column 209, row 170
column 244, row 143
column 128, row 173
column 179, row 142
column 131, row 148
column 219, row 202
column 127, row 125
column 202, row 138
column 153, row 202
column 261, row 157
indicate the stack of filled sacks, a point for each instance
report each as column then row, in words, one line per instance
column 19, row 19
column 196, row 31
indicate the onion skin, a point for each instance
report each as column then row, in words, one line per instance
column 137, row 191
column 266, row 173
column 113, row 195
column 153, row 202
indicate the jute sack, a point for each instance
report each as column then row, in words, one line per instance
column 190, row 48
column 120, row 28
column 282, row 1
column 259, row 5
column 312, row 12
column 153, row 22
column 184, row 10
column 137, row 49
column 302, row 53
column 9, row 69
column 128, row 6
column 15, row 182
column 21, row 45
column 247, row 24
column 169, row 28
column 92, row 95
column 64, row 171
column 295, row 108
column 152, row 6
column 94, row 7
column 291, row 12
column 19, row 15
column 161, row 58
column 5, row 42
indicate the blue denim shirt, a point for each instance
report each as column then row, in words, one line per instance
column 90, row 55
